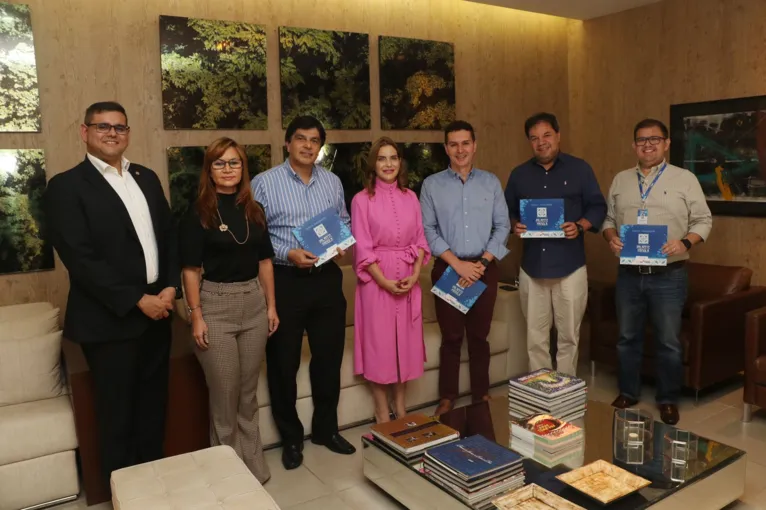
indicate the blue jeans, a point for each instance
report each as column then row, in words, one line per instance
column 662, row 296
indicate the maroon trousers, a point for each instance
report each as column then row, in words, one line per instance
column 474, row 325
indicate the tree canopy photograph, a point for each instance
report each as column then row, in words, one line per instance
column 19, row 95
column 185, row 165
column 325, row 74
column 22, row 232
column 417, row 83
column 423, row 159
column 213, row 74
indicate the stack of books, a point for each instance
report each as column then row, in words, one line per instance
column 548, row 440
column 407, row 438
column 545, row 391
column 475, row 470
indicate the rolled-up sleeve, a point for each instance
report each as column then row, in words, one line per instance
column 610, row 221
column 700, row 218
column 594, row 205
column 430, row 225
column 501, row 225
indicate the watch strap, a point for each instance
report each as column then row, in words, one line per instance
column 687, row 243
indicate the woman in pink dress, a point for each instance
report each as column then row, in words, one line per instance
column 389, row 252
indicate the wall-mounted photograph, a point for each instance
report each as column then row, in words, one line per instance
column 19, row 95
column 213, row 74
column 185, row 164
column 423, row 159
column 325, row 74
column 22, row 223
column 724, row 144
column 417, row 83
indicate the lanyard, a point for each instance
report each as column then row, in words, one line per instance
column 645, row 195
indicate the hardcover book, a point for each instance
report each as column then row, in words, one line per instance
column 413, row 433
column 472, row 457
column 642, row 245
column 542, row 217
column 323, row 234
column 545, row 429
column 547, row 383
column 462, row 298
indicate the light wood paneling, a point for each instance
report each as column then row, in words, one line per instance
column 635, row 64
column 508, row 64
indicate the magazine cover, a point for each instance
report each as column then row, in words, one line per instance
column 547, row 383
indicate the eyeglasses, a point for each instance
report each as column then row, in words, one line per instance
column 220, row 164
column 653, row 140
column 105, row 127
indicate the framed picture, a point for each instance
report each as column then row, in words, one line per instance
column 724, row 144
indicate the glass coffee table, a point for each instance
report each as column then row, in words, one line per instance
column 713, row 480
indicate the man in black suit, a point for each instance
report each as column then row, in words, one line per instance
column 110, row 223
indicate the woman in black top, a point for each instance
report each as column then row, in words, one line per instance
column 229, row 281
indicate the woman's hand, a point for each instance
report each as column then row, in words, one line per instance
column 271, row 313
column 199, row 330
column 392, row 287
column 406, row 284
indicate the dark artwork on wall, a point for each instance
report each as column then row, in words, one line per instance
column 213, row 74
column 185, row 164
column 22, row 230
column 424, row 159
column 724, row 144
column 19, row 96
column 325, row 74
column 417, row 83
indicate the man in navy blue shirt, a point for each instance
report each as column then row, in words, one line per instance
column 553, row 281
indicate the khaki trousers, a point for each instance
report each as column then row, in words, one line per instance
column 235, row 314
column 564, row 300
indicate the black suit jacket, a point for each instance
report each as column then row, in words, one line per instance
column 91, row 230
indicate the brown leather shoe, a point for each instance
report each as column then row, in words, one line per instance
column 669, row 413
column 445, row 406
column 623, row 402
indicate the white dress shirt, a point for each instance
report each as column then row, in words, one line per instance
column 138, row 209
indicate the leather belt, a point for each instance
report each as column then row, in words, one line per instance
column 650, row 270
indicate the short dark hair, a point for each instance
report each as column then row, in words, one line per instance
column 305, row 122
column 649, row 123
column 538, row 118
column 459, row 125
column 104, row 106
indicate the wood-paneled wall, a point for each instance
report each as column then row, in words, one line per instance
column 508, row 65
column 635, row 64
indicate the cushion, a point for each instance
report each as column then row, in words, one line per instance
column 14, row 312
column 36, row 429
column 39, row 324
column 29, row 369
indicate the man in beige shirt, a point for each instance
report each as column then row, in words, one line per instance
column 654, row 193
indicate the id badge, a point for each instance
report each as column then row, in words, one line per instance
column 643, row 217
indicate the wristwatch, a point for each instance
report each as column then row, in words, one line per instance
column 484, row 261
column 687, row 243
column 179, row 293
column 580, row 230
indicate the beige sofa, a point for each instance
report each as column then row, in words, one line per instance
column 37, row 433
column 507, row 343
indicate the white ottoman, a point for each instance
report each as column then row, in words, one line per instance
column 214, row 478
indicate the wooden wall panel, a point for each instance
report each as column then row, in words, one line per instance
column 635, row 64
column 508, row 63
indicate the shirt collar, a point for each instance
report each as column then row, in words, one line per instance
column 558, row 160
column 295, row 175
column 103, row 166
column 651, row 173
column 457, row 175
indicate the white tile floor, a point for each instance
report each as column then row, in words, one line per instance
column 330, row 481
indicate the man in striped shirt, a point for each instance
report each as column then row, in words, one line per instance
column 308, row 298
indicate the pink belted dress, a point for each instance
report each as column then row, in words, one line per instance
column 388, row 329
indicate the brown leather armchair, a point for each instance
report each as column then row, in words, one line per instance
column 755, row 362
column 712, row 330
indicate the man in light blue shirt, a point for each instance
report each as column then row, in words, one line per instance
column 466, row 223
column 308, row 298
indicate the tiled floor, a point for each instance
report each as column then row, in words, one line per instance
column 330, row 481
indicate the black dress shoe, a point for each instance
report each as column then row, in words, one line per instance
column 335, row 443
column 623, row 402
column 292, row 456
column 669, row 413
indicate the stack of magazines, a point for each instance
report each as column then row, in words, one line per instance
column 545, row 391
column 407, row 438
column 548, row 440
column 475, row 470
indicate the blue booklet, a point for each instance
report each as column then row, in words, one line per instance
column 542, row 217
column 323, row 234
column 642, row 245
column 462, row 298
column 473, row 457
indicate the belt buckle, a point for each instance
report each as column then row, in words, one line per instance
column 645, row 270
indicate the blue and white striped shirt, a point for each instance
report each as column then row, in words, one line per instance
column 290, row 203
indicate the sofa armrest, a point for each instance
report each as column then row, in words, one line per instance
column 717, row 335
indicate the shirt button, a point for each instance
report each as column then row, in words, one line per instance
column 543, row 249
column 545, row 186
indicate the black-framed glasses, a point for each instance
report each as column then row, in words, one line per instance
column 220, row 164
column 105, row 127
column 652, row 140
